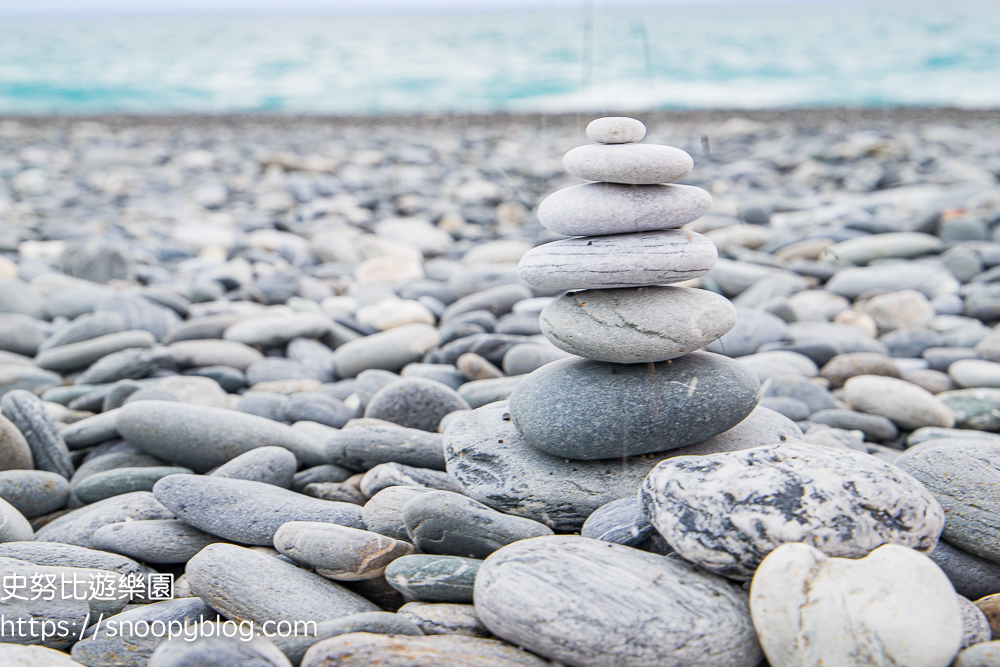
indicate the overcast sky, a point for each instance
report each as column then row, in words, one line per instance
column 285, row 6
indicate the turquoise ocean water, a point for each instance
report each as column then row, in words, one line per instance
column 746, row 55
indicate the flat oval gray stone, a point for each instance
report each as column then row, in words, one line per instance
column 483, row 392
column 586, row 602
column 444, row 618
column 198, row 353
column 92, row 430
column 972, row 576
column 218, row 651
column 163, row 541
column 273, row 331
column 415, row 403
column 34, row 492
column 726, row 512
column 111, row 483
column 369, row 622
column 526, row 357
column 84, row 353
column 55, row 554
column 446, row 523
column 597, row 209
column 48, row 449
column 615, row 130
column 631, row 164
column 383, row 513
column 13, row 526
column 339, row 552
column 637, row 324
column 84, row 327
column 15, row 454
column 245, row 511
column 111, row 461
column 270, row 465
column 362, row 444
column 128, row 364
column 583, row 409
column 364, row 650
column 961, row 475
column 619, row 260
column 202, row 438
column 620, row 521
column 433, row 578
column 319, row 475
column 245, row 584
column 78, row 527
column 387, row 350
column 27, row 619
column 396, row 474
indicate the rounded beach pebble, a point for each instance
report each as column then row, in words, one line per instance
column 615, row 130
column 631, row 164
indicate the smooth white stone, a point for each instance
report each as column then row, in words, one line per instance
column 631, row 164
column 910, row 406
column 620, row 260
column 893, row 607
column 616, row 130
column 598, row 209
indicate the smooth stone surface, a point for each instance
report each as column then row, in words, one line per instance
column 621, row 260
column 975, row 626
column 373, row 622
column 977, row 409
column 986, row 654
column 15, row 454
column 34, row 492
column 429, row 578
column 444, row 619
column 875, row 427
column 620, row 521
column 78, row 527
column 446, row 374
column 92, row 430
column 110, row 483
column 272, row 331
column 319, row 475
column 203, row 438
column 13, row 526
column 385, row 475
column 929, row 280
column 338, row 491
column 28, row 377
column 527, row 357
column 726, row 512
column 55, row 554
column 415, row 403
column 615, row 130
column 198, row 353
column 792, row 408
column 70, row 612
column 483, row 392
column 339, row 552
column 636, row 325
column 769, row 365
column 364, row 444
column 156, row 541
column 597, row 209
column 388, row 350
column 131, row 364
column 364, row 650
column 383, row 513
column 140, row 313
column 582, row 409
column 270, row 465
column 753, row 328
column 446, row 523
column 218, row 651
column 245, row 584
column 892, row 607
column 970, row 373
column 317, row 407
column 631, row 164
column 14, row 655
column 540, row 594
column 493, row 463
column 845, row 366
column 245, row 511
column 962, row 476
column 908, row 405
column 84, row 353
column 972, row 576
column 28, row 414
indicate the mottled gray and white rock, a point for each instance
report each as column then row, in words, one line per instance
column 615, row 130
column 218, row 651
column 582, row 409
column 972, row 576
column 270, row 465
column 156, row 541
column 339, row 491
column 387, row 350
column 962, row 476
column 396, row 474
column 383, row 513
column 34, row 492
column 908, row 405
column 48, row 449
column 78, row 527
column 363, row 650
column 621, row 260
column 245, row 584
column 977, row 408
column 101, row 485
column 442, row 522
column 444, row 618
column 364, row 444
column 339, row 552
column 597, row 209
column 539, row 594
column 726, row 512
column 893, row 607
column 415, row 403
column 245, row 511
column 975, row 626
column 636, row 324
column 620, row 521
column 430, row 578
column 203, row 438
column 15, row 454
column 631, row 164
column 986, row 654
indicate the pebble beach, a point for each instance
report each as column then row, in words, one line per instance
column 707, row 388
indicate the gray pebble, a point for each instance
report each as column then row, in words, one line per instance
column 975, row 627
column 383, row 513
column 319, row 474
column 315, row 356
column 27, row 377
column 48, row 449
column 792, row 408
column 388, row 350
column 370, row 622
column 273, row 369
column 15, row 454
column 444, row 618
column 620, row 521
column 55, row 554
column 156, row 541
column 527, row 357
column 491, row 347
column 270, row 465
column 317, row 407
column 218, row 651
column 47, row 615
column 446, row 374
column 276, row 330
column 363, row 650
column 396, row 474
column 245, row 511
column 972, row 576
column 364, row 444
column 128, row 364
column 92, row 430
column 415, row 403
column 483, row 392
column 338, row 491
column 986, row 654
column 198, row 353
column 13, row 526
column 78, row 527
column 497, row 300
column 84, row 327
column 109, row 483
column 266, row 404
column 140, row 313
column 230, row 379
column 615, row 130
column 338, row 552
column 875, row 427
column 74, row 356
column 430, row 578
column 633, row 164
column 34, row 492
column 111, row 461
column 118, row 393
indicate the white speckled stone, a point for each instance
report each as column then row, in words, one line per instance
column 631, row 164
column 616, row 130
column 620, row 260
column 589, row 603
column 637, row 324
column 596, row 209
column 893, row 607
column 727, row 511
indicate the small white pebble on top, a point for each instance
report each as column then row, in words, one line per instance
column 616, row 130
